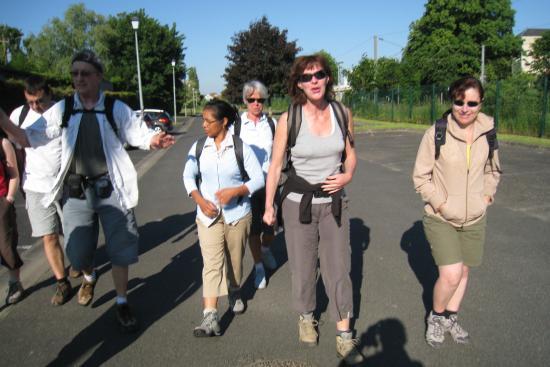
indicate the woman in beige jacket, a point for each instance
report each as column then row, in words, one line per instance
column 456, row 187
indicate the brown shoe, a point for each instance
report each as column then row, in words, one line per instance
column 306, row 330
column 73, row 273
column 86, row 292
column 62, row 294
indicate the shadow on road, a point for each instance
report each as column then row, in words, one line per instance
column 385, row 342
column 420, row 259
column 151, row 298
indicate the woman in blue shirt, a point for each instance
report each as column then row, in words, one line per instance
column 223, row 208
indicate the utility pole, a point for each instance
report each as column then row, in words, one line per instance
column 375, row 55
column 482, row 76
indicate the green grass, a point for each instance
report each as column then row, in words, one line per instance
column 364, row 125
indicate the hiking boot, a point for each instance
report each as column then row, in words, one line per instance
column 260, row 281
column 236, row 303
column 86, row 292
column 346, row 349
column 209, row 325
column 306, row 329
column 126, row 319
column 73, row 273
column 268, row 259
column 62, row 294
column 15, row 292
column 435, row 333
column 459, row 335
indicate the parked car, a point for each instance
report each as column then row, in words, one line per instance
column 158, row 120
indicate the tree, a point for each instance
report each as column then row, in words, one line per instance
column 541, row 55
column 446, row 42
column 384, row 73
column 262, row 53
column 51, row 51
column 10, row 42
column 158, row 46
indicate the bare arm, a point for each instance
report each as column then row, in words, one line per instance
column 14, row 132
column 11, row 170
column 338, row 181
column 274, row 173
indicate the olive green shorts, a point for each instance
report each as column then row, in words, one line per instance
column 452, row 245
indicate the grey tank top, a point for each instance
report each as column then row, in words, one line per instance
column 316, row 157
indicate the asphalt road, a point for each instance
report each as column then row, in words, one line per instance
column 505, row 310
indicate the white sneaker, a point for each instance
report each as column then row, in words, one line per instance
column 260, row 280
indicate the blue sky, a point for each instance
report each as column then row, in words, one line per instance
column 343, row 28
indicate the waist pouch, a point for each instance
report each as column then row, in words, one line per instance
column 77, row 184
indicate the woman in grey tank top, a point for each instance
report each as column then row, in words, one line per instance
column 316, row 219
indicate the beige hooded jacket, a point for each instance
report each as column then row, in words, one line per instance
column 447, row 183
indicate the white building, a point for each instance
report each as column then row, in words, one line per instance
column 529, row 36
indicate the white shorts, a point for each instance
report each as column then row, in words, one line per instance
column 43, row 220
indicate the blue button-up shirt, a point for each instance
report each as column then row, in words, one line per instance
column 219, row 170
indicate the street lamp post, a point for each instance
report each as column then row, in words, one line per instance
column 174, row 85
column 135, row 26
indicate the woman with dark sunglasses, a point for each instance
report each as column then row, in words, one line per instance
column 457, row 185
column 318, row 174
column 257, row 129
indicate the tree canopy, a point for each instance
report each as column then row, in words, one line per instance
column 383, row 73
column 541, row 55
column 263, row 53
column 446, row 41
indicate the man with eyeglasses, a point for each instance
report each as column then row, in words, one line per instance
column 257, row 130
column 96, row 179
column 41, row 166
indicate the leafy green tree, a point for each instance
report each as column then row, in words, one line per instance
column 541, row 55
column 446, row 41
column 158, row 46
column 10, row 42
column 51, row 50
column 385, row 73
column 262, row 52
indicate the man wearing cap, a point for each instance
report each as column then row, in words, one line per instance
column 97, row 179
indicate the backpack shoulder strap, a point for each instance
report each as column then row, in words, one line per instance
column 342, row 118
column 68, row 111
column 239, row 155
column 237, row 127
column 492, row 141
column 109, row 105
column 294, row 121
column 24, row 113
column 440, row 135
column 271, row 125
column 198, row 151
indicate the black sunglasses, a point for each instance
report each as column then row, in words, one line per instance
column 252, row 100
column 460, row 103
column 306, row 78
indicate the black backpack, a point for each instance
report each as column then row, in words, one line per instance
column 239, row 155
column 441, row 133
column 238, row 123
column 108, row 102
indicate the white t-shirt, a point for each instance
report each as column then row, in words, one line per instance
column 42, row 163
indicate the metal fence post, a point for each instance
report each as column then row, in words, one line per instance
column 497, row 104
column 410, row 104
column 432, row 112
column 392, row 104
column 542, row 127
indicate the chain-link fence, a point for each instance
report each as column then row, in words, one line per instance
column 519, row 105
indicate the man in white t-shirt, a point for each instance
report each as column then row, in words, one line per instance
column 41, row 167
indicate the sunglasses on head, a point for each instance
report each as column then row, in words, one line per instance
column 252, row 100
column 305, row 78
column 460, row 103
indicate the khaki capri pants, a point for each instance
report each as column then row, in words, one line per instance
column 222, row 248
